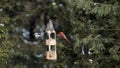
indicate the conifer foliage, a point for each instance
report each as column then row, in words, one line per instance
column 92, row 26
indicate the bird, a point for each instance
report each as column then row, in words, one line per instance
column 63, row 36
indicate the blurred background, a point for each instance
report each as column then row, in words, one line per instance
column 92, row 27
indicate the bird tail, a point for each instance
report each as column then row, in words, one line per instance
column 66, row 39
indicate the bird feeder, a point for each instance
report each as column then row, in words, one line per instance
column 51, row 53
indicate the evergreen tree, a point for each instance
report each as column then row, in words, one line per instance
column 91, row 25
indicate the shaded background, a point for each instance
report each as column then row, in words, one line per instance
column 92, row 26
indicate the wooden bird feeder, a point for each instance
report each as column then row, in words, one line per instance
column 51, row 53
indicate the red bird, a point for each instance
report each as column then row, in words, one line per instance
column 62, row 35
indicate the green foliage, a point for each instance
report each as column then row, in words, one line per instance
column 4, row 46
column 93, row 26
column 97, row 8
column 98, row 34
